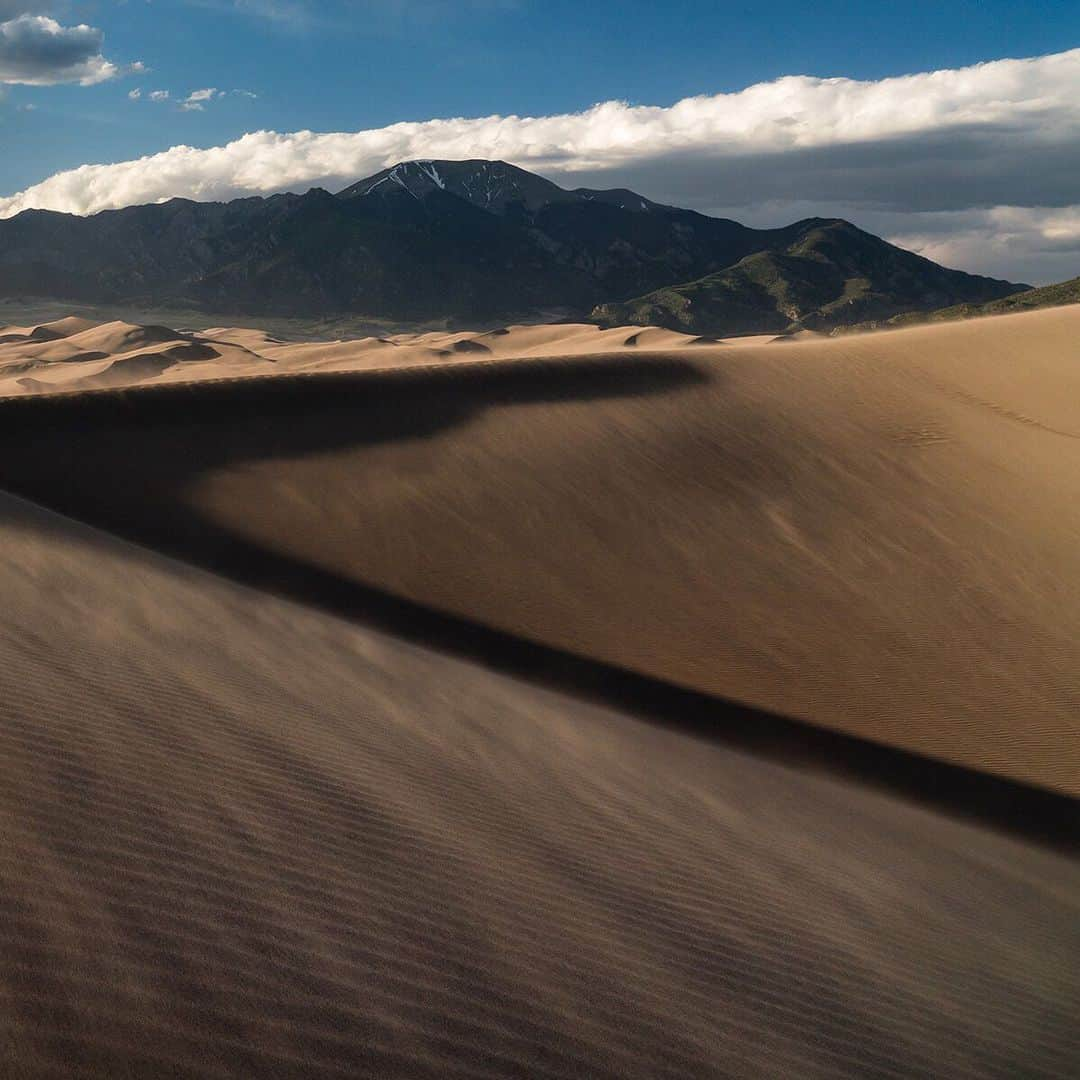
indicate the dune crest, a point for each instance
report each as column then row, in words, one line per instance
column 31, row 356
column 878, row 535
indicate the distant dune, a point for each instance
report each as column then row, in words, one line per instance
column 246, row 836
column 76, row 354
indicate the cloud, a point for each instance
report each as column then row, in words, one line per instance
column 197, row 100
column 36, row 50
column 989, row 140
column 1038, row 244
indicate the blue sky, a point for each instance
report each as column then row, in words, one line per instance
column 349, row 65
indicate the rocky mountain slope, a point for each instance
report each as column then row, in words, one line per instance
column 466, row 241
column 834, row 274
column 1048, row 296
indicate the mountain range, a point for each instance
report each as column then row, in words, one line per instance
column 465, row 242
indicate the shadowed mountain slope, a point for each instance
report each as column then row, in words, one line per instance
column 832, row 275
column 1057, row 295
column 467, row 241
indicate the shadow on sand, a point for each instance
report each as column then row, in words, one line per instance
column 122, row 460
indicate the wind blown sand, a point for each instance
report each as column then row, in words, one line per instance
column 879, row 535
column 243, row 836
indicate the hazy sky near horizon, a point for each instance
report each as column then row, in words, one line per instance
column 975, row 167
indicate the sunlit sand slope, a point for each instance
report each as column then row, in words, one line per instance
column 878, row 534
column 242, row 838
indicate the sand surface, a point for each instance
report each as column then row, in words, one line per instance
column 880, row 534
column 247, row 835
column 243, row 838
column 78, row 354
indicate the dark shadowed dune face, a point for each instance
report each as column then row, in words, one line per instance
column 85, row 357
column 38, row 334
column 191, row 352
column 468, row 346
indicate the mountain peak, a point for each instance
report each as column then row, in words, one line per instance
column 489, row 185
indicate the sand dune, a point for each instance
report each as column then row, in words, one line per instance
column 30, row 355
column 49, row 331
column 243, row 838
column 76, row 355
column 880, row 535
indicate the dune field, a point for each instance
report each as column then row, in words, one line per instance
column 80, row 354
column 549, row 702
